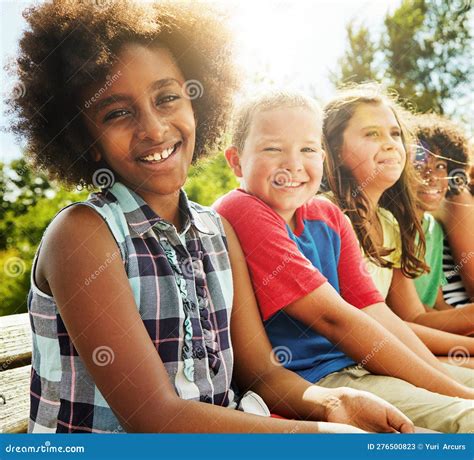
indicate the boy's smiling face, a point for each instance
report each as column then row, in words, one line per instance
column 282, row 159
column 143, row 124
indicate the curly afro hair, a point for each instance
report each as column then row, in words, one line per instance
column 446, row 139
column 70, row 45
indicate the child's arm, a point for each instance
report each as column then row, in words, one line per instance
column 414, row 342
column 356, row 333
column 404, row 301
column 103, row 314
column 441, row 343
column 286, row 393
column 440, row 303
column 459, row 218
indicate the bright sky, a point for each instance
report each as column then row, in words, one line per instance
column 293, row 43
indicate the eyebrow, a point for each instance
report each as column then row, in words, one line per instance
column 119, row 97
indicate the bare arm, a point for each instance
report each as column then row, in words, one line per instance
column 355, row 332
column 440, row 303
column 285, row 392
column 135, row 383
column 458, row 222
column 404, row 301
column 405, row 334
column 440, row 343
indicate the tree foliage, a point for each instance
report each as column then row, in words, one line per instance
column 424, row 52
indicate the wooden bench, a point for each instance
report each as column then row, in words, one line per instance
column 15, row 368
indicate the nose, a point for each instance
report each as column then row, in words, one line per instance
column 152, row 126
column 292, row 161
column 428, row 176
column 389, row 143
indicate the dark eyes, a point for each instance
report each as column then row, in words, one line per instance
column 304, row 149
column 271, row 149
column 376, row 133
column 162, row 101
column 115, row 114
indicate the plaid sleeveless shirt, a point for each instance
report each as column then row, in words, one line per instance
column 182, row 285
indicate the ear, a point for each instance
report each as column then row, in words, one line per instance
column 95, row 154
column 233, row 160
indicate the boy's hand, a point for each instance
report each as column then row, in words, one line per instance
column 366, row 411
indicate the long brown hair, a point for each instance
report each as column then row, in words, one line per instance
column 350, row 196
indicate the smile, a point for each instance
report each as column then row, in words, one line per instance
column 432, row 192
column 389, row 162
column 160, row 156
column 288, row 185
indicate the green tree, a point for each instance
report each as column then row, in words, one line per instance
column 29, row 202
column 357, row 64
column 425, row 54
column 210, row 179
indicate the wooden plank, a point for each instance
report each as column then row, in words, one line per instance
column 14, row 400
column 15, row 341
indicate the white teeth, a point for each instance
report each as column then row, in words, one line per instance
column 159, row 156
column 293, row 184
column 167, row 153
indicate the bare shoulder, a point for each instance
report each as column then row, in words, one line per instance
column 74, row 227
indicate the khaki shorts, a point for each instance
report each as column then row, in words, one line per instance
column 425, row 408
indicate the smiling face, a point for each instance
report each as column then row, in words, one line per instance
column 143, row 124
column 373, row 149
column 282, row 159
column 433, row 182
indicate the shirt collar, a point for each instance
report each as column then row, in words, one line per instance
column 142, row 218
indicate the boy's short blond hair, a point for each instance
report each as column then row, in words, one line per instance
column 269, row 101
